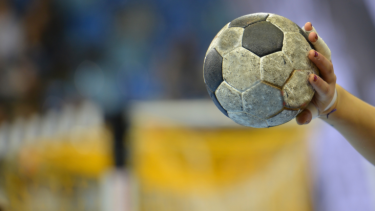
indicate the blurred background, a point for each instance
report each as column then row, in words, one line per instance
column 103, row 107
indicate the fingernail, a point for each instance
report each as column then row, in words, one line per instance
column 315, row 78
column 307, row 122
column 316, row 54
column 316, row 37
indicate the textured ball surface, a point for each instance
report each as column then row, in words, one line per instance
column 256, row 70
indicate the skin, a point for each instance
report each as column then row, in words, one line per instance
column 353, row 118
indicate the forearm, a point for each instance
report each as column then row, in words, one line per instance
column 355, row 120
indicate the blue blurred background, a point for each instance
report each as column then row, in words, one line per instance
column 55, row 53
column 109, row 51
column 58, row 51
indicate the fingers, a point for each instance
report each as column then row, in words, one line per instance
column 323, row 85
column 325, row 66
column 304, row 117
column 320, row 86
column 313, row 37
column 322, row 58
column 308, row 26
column 317, row 41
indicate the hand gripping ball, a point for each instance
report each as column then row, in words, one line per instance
column 256, row 70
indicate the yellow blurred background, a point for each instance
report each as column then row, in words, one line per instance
column 177, row 162
column 210, row 163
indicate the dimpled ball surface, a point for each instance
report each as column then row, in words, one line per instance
column 256, row 70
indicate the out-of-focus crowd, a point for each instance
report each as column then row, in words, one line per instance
column 54, row 52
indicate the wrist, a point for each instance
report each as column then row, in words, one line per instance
column 333, row 106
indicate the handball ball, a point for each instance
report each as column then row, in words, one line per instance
column 256, row 70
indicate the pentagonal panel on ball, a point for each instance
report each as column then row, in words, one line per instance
column 241, row 68
column 282, row 23
column 296, row 48
column 246, row 20
column 229, row 97
column 298, row 92
column 262, row 100
column 212, row 69
column 262, row 38
column 228, row 40
column 246, row 119
column 275, row 68
column 282, row 117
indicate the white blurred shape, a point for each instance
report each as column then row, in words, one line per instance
column 16, row 133
column 67, row 120
column 116, row 191
column 89, row 115
column 32, row 128
column 49, row 124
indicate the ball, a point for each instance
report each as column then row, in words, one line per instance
column 256, row 70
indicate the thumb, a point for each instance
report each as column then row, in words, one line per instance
column 308, row 114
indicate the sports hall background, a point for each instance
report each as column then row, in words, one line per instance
column 103, row 107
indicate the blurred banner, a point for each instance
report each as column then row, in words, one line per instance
column 56, row 162
column 186, row 155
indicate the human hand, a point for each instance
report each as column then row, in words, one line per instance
column 324, row 101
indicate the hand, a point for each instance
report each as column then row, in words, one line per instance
column 325, row 85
